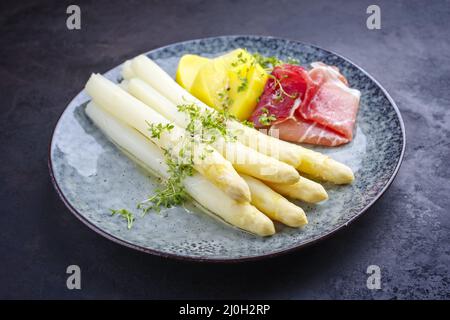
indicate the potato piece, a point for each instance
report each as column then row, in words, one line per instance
column 233, row 81
column 188, row 68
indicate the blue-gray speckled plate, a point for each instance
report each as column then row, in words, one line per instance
column 91, row 175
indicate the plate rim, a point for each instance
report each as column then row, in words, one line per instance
column 273, row 254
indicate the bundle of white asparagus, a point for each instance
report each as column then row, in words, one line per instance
column 242, row 181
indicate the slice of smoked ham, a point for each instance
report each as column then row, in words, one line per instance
column 334, row 105
column 283, row 101
column 303, row 131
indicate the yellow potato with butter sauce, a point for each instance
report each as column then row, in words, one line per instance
column 188, row 68
column 211, row 83
column 233, row 81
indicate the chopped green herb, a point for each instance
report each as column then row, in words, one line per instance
column 240, row 60
column 294, row 61
column 225, row 99
column 205, row 124
column 270, row 62
column 266, row 118
column 281, row 92
column 159, row 128
column 267, row 62
column 248, row 123
column 204, row 127
column 127, row 215
column 243, row 85
column 278, row 97
column 172, row 191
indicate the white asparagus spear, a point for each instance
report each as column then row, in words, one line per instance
column 127, row 71
column 206, row 160
column 305, row 160
column 304, row 189
column 274, row 205
column 240, row 214
column 243, row 158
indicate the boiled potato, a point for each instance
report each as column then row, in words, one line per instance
column 233, row 81
column 188, row 68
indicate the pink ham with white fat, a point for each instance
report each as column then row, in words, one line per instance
column 334, row 104
column 318, row 106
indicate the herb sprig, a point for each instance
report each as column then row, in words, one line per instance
column 172, row 191
column 266, row 118
column 248, row 123
column 240, row 60
column 157, row 129
column 243, row 85
column 204, row 127
column 224, row 98
column 125, row 214
column 270, row 62
column 280, row 90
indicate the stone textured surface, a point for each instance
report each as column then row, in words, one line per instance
column 43, row 65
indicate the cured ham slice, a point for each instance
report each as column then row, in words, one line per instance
column 284, row 92
column 334, row 105
column 315, row 107
column 306, row 132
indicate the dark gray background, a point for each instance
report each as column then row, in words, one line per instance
column 43, row 65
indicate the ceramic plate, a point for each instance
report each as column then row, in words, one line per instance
column 92, row 176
